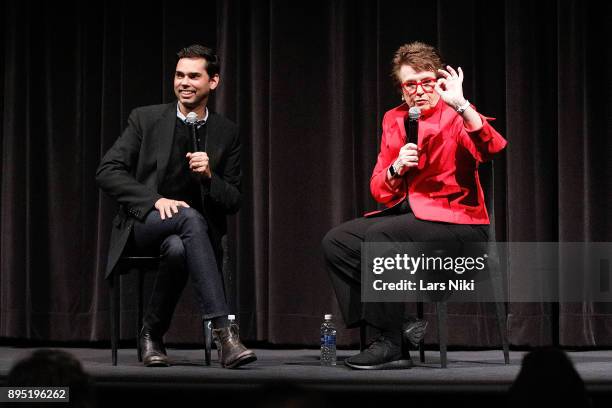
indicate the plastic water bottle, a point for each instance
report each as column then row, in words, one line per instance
column 328, row 342
column 231, row 319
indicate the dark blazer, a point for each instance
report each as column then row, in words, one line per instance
column 134, row 168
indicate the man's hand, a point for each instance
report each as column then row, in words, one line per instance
column 167, row 207
column 408, row 157
column 450, row 87
column 198, row 163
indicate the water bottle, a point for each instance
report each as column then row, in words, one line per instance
column 328, row 342
column 231, row 319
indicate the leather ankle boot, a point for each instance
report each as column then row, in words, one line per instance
column 153, row 350
column 232, row 353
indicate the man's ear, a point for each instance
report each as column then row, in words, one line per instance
column 214, row 81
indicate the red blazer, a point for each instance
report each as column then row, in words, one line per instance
column 445, row 185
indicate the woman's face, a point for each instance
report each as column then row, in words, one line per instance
column 418, row 87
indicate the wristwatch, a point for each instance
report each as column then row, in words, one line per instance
column 392, row 171
column 462, row 108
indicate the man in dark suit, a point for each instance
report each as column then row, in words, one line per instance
column 174, row 201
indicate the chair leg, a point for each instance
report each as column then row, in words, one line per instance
column 420, row 315
column 500, row 309
column 115, row 294
column 139, row 313
column 207, row 324
column 442, row 332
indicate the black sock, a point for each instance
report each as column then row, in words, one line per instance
column 220, row 322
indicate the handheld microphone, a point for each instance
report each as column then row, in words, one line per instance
column 411, row 124
column 191, row 120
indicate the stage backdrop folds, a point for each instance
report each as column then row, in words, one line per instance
column 308, row 83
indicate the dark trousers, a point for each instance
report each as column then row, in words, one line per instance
column 186, row 251
column 342, row 251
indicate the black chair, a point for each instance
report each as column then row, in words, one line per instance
column 143, row 264
column 495, row 274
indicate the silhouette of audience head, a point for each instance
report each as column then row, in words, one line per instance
column 53, row 368
column 548, row 378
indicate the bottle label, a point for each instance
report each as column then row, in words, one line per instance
column 330, row 340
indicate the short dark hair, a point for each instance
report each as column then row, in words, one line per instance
column 213, row 65
column 420, row 56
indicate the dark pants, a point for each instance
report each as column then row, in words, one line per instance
column 185, row 249
column 342, row 250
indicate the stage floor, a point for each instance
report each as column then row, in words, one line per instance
column 469, row 372
column 483, row 368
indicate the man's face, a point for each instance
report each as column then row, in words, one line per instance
column 418, row 87
column 192, row 85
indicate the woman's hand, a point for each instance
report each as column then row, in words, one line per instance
column 450, row 87
column 408, row 157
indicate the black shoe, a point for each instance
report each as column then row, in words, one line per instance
column 382, row 354
column 152, row 349
column 415, row 331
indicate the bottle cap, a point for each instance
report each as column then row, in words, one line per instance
column 328, row 317
column 231, row 317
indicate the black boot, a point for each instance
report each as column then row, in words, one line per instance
column 152, row 349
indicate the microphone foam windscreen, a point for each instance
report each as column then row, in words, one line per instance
column 191, row 118
column 414, row 113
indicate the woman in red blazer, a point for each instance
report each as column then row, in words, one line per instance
column 431, row 190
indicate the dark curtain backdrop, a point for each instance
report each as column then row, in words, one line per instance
column 308, row 83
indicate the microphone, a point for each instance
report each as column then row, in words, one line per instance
column 411, row 124
column 191, row 121
column 191, row 118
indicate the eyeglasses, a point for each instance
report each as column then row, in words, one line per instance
column 427, row 84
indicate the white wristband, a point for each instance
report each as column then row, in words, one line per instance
column 463, row 107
